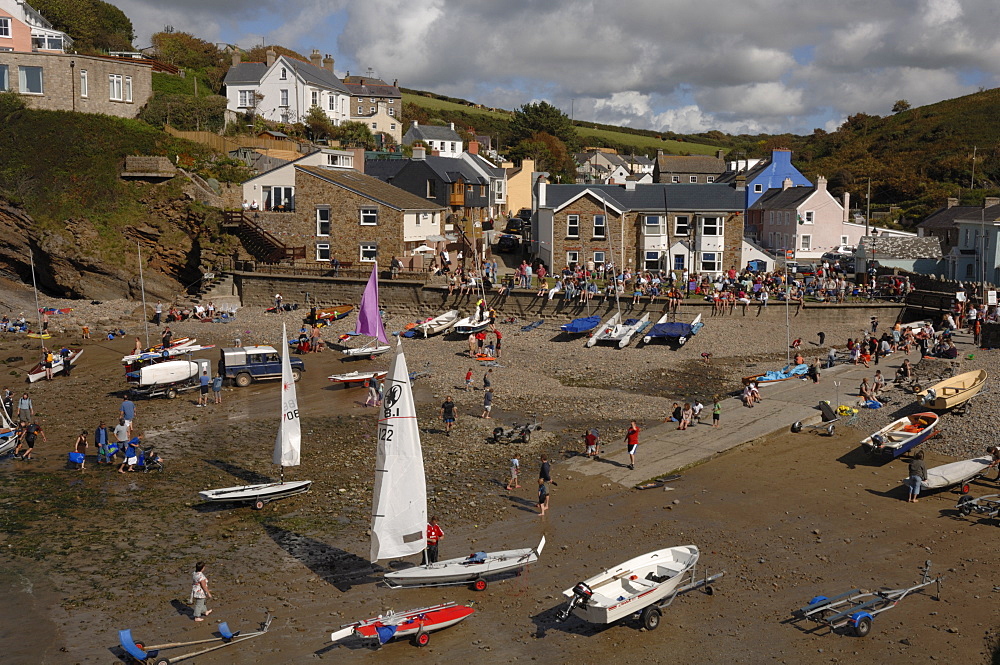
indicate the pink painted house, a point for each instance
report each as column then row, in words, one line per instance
column 808, row 220
column 24, row 30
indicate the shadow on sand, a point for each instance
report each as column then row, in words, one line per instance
column 340, row 568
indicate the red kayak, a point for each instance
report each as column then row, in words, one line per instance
column 418, row 624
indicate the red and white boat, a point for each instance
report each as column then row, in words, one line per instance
column 37, row 373
column 357, row 377
column 418, row 624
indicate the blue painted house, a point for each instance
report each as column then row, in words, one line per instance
column 768, row 174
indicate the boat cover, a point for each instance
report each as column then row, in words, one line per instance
column 785, row 373
column 581, row 325
column 670, row 330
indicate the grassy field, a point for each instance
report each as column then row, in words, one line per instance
column 585, row 133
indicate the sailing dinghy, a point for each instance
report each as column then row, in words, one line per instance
column 621, row 332
column 580, row 326
column 606, row 328
column 471, row 570
column 664, row 329
column 417, row 624
column 8, row 433
column 370, row 322
column 287, row 446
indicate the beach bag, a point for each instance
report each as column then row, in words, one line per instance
column 76, row 458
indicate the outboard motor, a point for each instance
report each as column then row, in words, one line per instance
column 878, row 441
column 497, row 434
column 929, row 397
column 581, row 594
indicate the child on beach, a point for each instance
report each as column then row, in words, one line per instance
column 468, row 380
column 543, row 496
column 686, row 415
column 515, row 467
column 716, row 411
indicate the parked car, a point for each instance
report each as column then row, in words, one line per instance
column 514, row 225
column 508, row 243
column 246, row 364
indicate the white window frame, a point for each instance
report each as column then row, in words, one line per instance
column 320, row 221
column 5, row 31
column 808, row 216
column 84, row 84
column 716, row 261
column 372, row 109
column 368, row 247
column 283, row 98
column 714, row 223
column 284, row 75
column 651, row 259
column 600, row 258
column 361, row 110
column 372, row 100
column 4, row 78
column 710, row 178
column 805, row 242
column 322, row 247
column 686, row 225
column 22, row 80
column 392, row 112
column 452, row 146
column 679, row 265
column 332, row 103
column 314, row 96
column 572, row 257
column 368, row 216
column 572, row 222
column 600, row 230
column 676, row 179
column 374, row 125
column 392, row 126
column 845, row 240
column 758, row 188
column 128, row 89
column 693, row 179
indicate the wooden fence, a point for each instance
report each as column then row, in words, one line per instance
column 227, row 144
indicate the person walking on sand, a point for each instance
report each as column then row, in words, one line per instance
column 101, row 439
column 488, row 379
column 448, row 415
column 487, row 403
column 917, row 476
column 590, row 439
column 81, row 447
column 127, row 413
column 716, row 411
column 131, row 453
column 515, row 468
column 25, row 408
column 31, row 434
column 217, row 388
column 468, row 380
column 434, row 536
column 543, row 496
column 632, row 443
column 200, row 592
column 372, row 393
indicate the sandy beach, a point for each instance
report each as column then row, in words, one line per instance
column 787, row 517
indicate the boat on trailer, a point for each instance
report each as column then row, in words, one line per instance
column 955, row 391
column 439, row 323
column 470, row 325
column 901, row 436
column 640, row 585
column 418, row 624
column 287, row 446
column 682, row 332
column 472, row 570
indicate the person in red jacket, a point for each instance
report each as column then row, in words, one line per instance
column 434, row 535
column 632, row 443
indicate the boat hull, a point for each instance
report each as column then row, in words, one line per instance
column 955, row 473
column 439, row 324
column 953, row 392
column 366, row 351
column 333, row 313
column 901, row 436
column 470, row 326
column 626, row 589
column 37, row 373
column 457, row 571
column 426, row 622
column 356, row 377
column 259, row 492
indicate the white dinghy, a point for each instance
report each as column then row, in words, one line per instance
column 287, row 446
column 629, row 587
column 370, row 321
column 439, row 324
column 471, row 570
column 606, row 328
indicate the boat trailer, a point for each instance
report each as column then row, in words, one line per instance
column 988, row 505
column 140, row 653
column 858, row 608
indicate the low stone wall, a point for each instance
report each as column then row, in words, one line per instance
column 416, row 299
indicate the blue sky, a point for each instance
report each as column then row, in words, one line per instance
column 668, row 65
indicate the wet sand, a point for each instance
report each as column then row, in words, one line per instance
column 788, row 518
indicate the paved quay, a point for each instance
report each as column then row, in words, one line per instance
column 663, row 449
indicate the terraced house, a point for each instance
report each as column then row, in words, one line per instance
column 654, row 226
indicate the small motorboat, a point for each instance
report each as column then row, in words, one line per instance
column 901, row 436
column 418, row 624
column 953, row 392
column 470, row 325
column 37, row 372
column 606, row 328
column 582, row 325
column 786, row 373
column 357, row 377
column 682, row 332
column 328, row 314
column 469, row 570
column 629, row 587
column 439, row 324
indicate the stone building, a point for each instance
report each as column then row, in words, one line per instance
column 89, row 84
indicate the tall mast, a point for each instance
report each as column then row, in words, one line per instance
column 34, row 286
column 142, row 285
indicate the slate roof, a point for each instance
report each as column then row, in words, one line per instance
column 486, row 165
column 366, row 86
column 245, row 72
column 653, row 196
column 370, row 187
column 453, row 169
column 690, row 164
column 751, row 173
column 973, row 215
column 783, row 199
column 430, row 133
column 944, row 218
column 897, row 247
column 384, row 169
column 253, row 72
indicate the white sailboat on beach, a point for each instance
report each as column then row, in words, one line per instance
column 287, row 447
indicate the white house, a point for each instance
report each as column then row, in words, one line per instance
column 274, row 190
column 24, row 30
column 444, row 141
column 975, row 257
column 283, row 89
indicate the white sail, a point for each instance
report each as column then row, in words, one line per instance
column 399, row 503
column 289, row 440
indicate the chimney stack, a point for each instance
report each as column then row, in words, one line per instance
column 741, row 183
column 629, row 185
column 720, row 154
column 951, row 203
column 473, row 147
column 452, row 126
column 236, row 58
column 820, row 183
column 271, row 56
column 542, row 182
column 786, row 183
column 315, row 58
column 395, row 83
column 419, row 153
column 847, row 206
column 328, row 63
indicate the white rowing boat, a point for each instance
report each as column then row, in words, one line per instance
column 468, row 570
column 901, row 436
column 356, row 377
column 629, row 587
column 470, row 325
column 37, row 372
column 956, row 473
column 440, row 323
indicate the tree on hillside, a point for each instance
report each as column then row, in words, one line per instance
column 94, row 25
column 900, row 106
column 186, row 50
column 259, row 53
column 550, row 154
column 355, row 135
column 318, row 124
column 532, row 119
